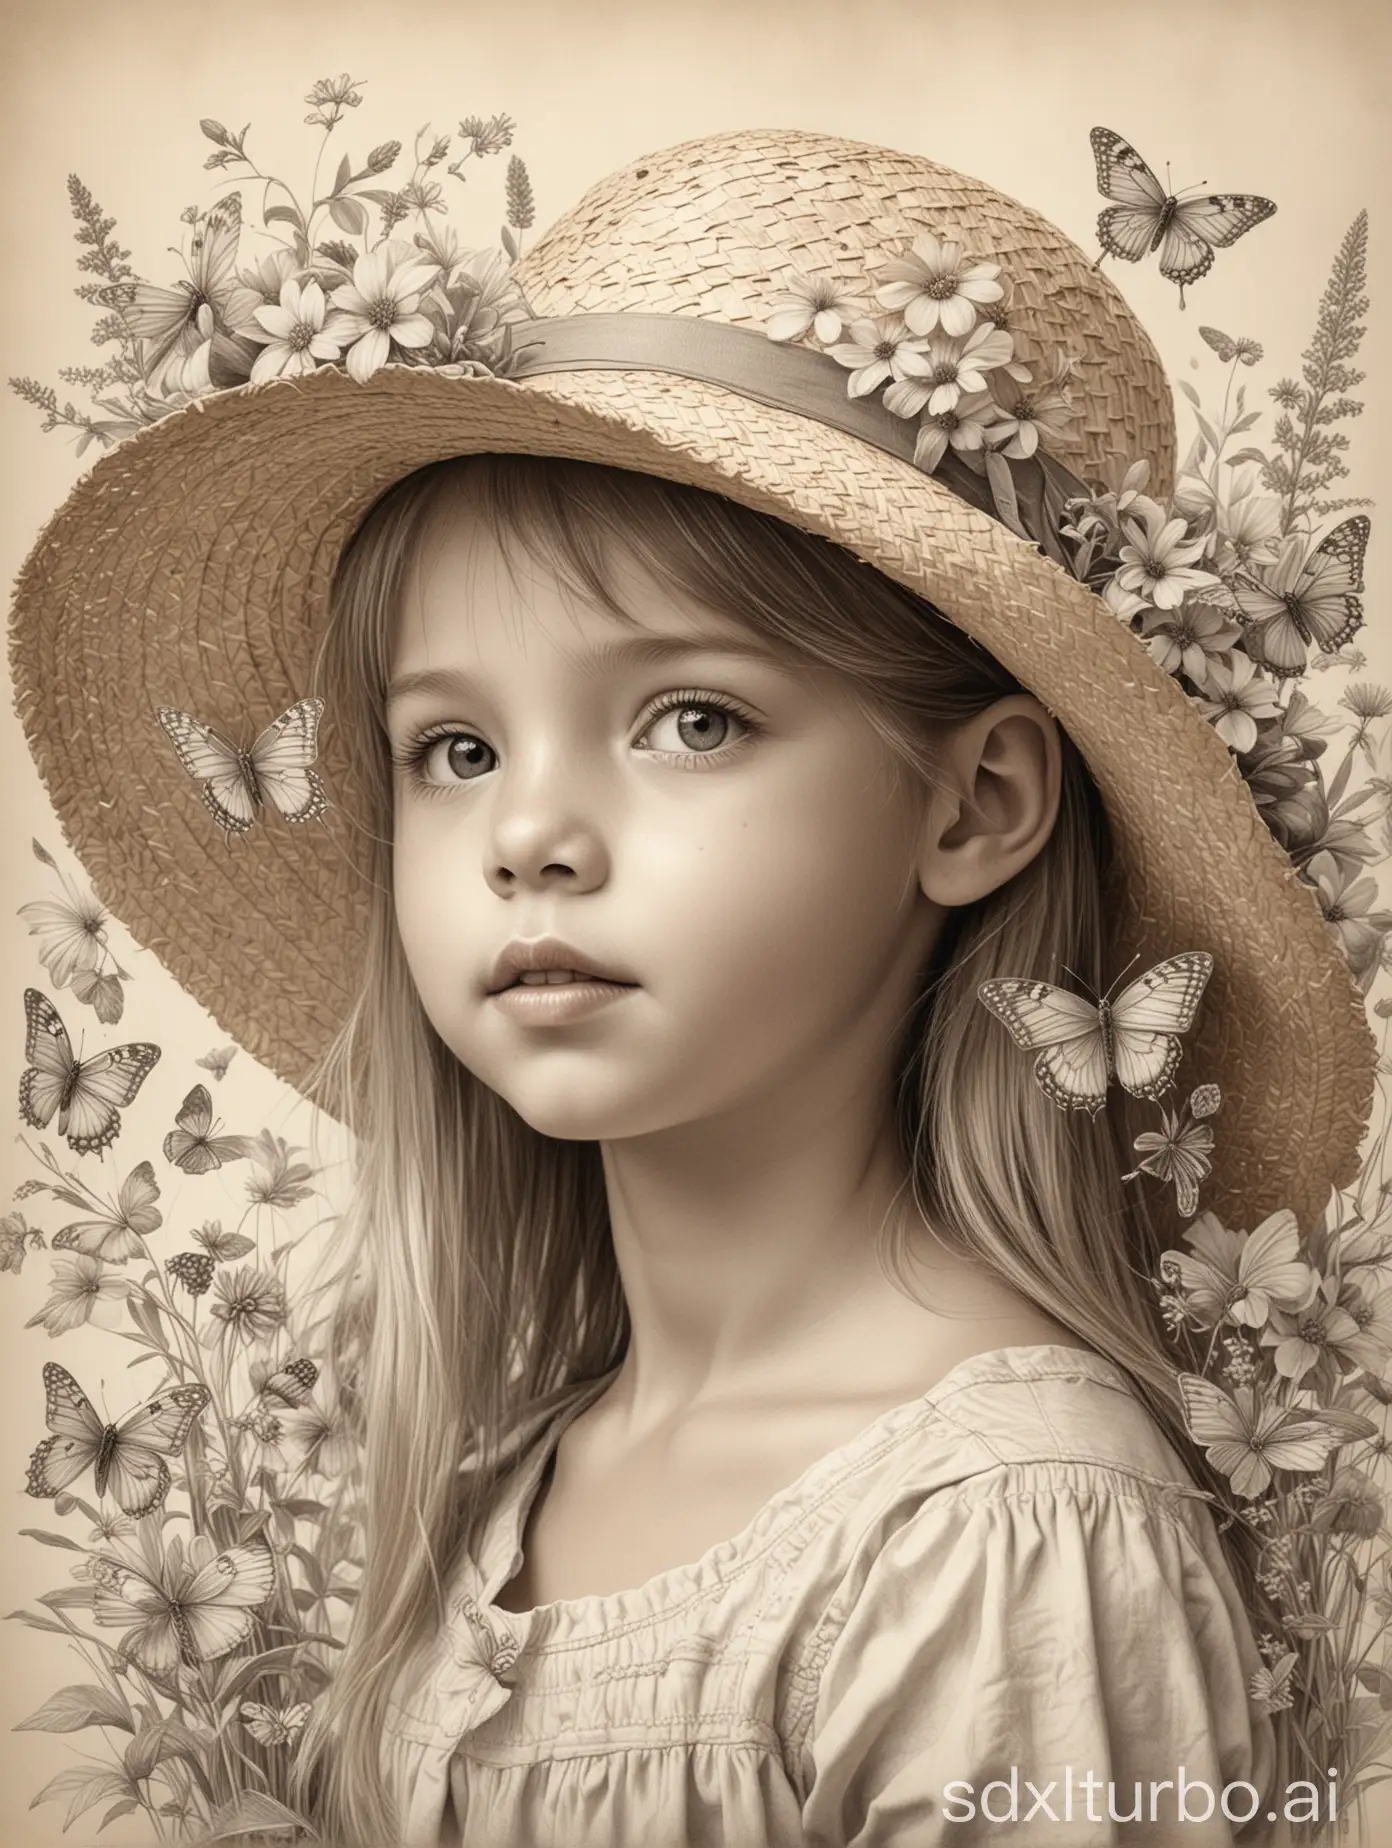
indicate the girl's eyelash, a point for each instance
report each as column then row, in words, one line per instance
column 409, row 757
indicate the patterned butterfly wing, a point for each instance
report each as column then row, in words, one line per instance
column 101, row 1087
column 138, row 1473
column 189, row 1145
column 78, row 1435
column 1198, row 226
column 110, row 1239
column 225, row 775
column 1321, row 606
column 1072, row 1068
column 1147, row 1017
column 217, row 1604
column 1128, row 228
column 49, row 1052
column 281, row 757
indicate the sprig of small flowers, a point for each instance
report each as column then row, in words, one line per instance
column 205, row 1680
column 314, row 298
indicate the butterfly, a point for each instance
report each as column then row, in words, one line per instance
column 1303, row 599
column 1246, row 1438
column 87, row 1093
column 1085, row 1043
column 190, row 1146
column 274, row 1725
column 1145, row 217
column 1235, row 1277
column 237, row 780
column 196, row 1607
column 130, row 1455
column 168, row 318
column 120, row 1234
column 222, row 1246
column 218, row 1060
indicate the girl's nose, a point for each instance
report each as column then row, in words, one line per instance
column 546, row 835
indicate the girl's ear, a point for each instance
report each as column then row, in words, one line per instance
column 995, row 803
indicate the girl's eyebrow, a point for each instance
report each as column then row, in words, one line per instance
column 641, row 651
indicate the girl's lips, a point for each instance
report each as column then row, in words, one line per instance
column 545, row 1004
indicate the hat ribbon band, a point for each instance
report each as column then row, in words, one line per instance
column 778, row 374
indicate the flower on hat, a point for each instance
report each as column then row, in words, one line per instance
column 1236, row 696
column 879, row 348
column 964, row 427
column 818, row 302
column 932, row 288
column 1347, row 904
column 378, row 308
column 1188, row 639
column 1158, row 560
column 294, row 332
column 954, row 368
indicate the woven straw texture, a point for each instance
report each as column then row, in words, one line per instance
column 191, row 568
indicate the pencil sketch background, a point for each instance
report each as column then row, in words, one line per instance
column 1243, row 96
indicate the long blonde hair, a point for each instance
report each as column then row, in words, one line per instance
column 477, row 1274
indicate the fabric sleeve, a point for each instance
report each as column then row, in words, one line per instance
column 1030, row 1631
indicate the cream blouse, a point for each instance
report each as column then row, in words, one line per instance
column 1013, row 1573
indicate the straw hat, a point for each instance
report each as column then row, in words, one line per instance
column 191, row 567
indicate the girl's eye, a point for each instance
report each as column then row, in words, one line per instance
column 701, row 725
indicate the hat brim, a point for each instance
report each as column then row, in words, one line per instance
column 191, row 568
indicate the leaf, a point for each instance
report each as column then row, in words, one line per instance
column 123, row 1808
column 278, row 1661
column 42, row 853
column 375, row 194
column 1189, row 392
column 36, row 1622
column 253, row 1813
column 166, row 1739
column 349, row 216
column 1003, row 491
column 1246, row 455
column 72, row 1708
column 62, row 1540
column 86, row 1785
column 70, row 1598
column 344, row 174
column 283, row 214
column 1245, row 423
column 509, row 241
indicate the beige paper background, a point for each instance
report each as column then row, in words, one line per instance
column 1275, row 98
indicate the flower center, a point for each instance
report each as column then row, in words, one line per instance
column 942, row 288
column 382, row 313
column 301, row 334
column 945, row 372
column 885, row 349
column 1312, row 1330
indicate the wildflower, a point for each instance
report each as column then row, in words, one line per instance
column 287, row 1385
column 82, row 1290
column 293, row 333
column 423, row 196
column 193, row 1269
column 1235, row 697
column 1178, row 1152
column 72, row 933
column 321, row 1437
column 1189, row 638
column 1239, row 1276
column 963, row 427
column 1158, row 561
column 14, row 1237
column 1345, row 902
column 879, row 349
column 1248, row 527
column 267, row 1433
column 377, row 309
column 250, row 1303
column 1313, row 1345
column 1028, row 418
column 488, row 137
column 954, row 369
column 1270, row 1687
column 329, row 98
column 1286, row 393
column 818, row 302
column 222, row 1247
column 1367, row 702
column 1373, row 1316
column 259, row 286
column 932, row 288
column 1124, row 603
column 111, row 1526
column 1353, row 1504
column 483, row 301
column 277, row 1182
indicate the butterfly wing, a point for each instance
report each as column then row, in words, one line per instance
column 1224, row 1429
column 108, row 1239
column 281, row 757
column 219, row 767
column 187, row 1145
column 1199, row 226
column 77, row 1434
column 264, row 1723
column 1072, row 1066
column 1149, row 1014
column 101, row 1087
column 1331, row 582
column 1128, row 228
column 219, row 1601
column 139, row 1475
column 49, row 1052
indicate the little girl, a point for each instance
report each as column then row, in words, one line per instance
column 769, row 1432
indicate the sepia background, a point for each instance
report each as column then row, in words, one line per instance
column 1264, row 97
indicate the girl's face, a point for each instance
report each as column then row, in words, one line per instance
column 722, row 830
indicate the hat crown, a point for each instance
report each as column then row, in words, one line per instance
column 715, row 228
